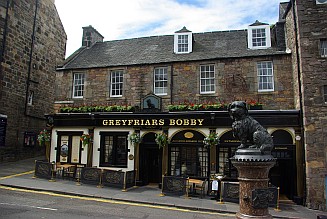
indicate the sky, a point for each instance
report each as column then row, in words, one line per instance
column 125, row 19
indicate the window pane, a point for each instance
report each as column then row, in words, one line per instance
column 116, row 83
column 182, row 43
column 114, row 149
column 160, row 81
column 108, row 149
column 207, row 79
column 259, row 37
column 265, row 76
column 325, row 93
column 121, row 151
column 30, row 98
column 323, row 48
column 189, row 161
column 78, row 86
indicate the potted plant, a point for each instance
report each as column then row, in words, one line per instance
column 211, row 140
column 86, row 139
column 44, row 139
column 162, row 139
column 135, row 138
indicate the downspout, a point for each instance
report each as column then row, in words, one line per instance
column 298, row 61
column 171, row 83
column 30, row 59
column 5, row 31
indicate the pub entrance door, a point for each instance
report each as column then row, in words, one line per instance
column 283, row 174
column 150, row 160
column 69, row 147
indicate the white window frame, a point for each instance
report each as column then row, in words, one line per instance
column 78, row 84
column 323, row 48
column 160, row 81
column 30, row 98
column 265, row 74
column 116, row 83
column 182, row 39
column 251, row 38
column 207, row 79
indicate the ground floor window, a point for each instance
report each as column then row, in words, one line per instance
column 113, row 149
column 189, row 161
column 225, row 166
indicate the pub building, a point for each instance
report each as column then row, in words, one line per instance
column 185, row 155
column 150, row 74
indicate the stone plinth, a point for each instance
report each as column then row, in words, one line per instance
column 253, row 169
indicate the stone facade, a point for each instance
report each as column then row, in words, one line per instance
column 33, row 43
column 138, row 82
column 306, row 25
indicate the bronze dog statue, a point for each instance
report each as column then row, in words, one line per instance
column 248, row 130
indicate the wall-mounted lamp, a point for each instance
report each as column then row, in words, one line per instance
column 298, row 138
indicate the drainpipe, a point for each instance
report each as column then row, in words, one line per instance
column 298, row 61
column 30, row 59
column 5, row 31
column 171, row 83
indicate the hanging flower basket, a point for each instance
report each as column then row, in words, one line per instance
column 86, row 139
column 162, row 139
column 43, row 137
column 135, row 138
column 211, row 140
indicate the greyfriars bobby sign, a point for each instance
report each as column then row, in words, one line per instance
column 151, row 103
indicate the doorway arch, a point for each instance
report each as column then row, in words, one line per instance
column 283, row 174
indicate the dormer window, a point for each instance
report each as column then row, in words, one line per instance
column 259, row 36
column 183, row 41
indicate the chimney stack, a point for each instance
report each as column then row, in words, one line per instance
column 91, row 36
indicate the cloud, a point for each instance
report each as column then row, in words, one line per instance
column 125, row 19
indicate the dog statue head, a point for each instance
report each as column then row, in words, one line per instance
column 238, row 110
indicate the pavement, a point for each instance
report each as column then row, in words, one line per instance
column 20, row 174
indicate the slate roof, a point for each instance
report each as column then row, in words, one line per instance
column 160, row 49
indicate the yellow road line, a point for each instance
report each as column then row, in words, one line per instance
column 116, row 202
column 18, row 174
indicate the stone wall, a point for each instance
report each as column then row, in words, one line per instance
column 236, row 79
column 311, row 27
column 29, row 66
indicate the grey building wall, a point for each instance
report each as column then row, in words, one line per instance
column 306, row 25
column 33, row 43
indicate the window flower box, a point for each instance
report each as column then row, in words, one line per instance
column 197, row 107
column 254, row 105
column 87, row 109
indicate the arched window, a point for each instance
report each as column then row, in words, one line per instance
column 187, row 155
